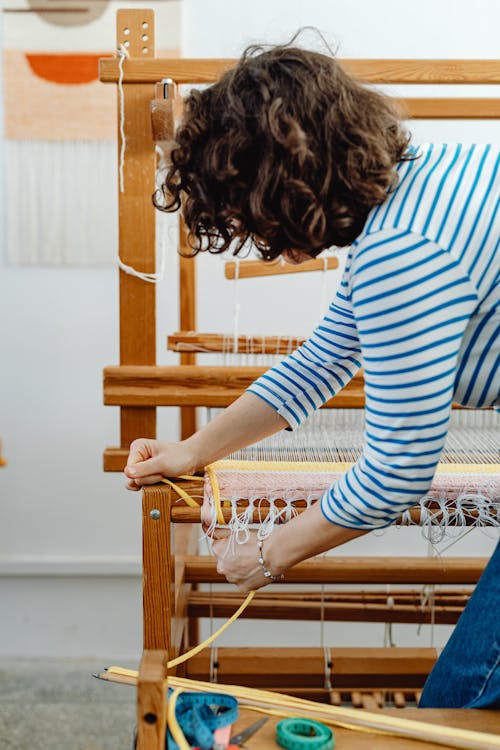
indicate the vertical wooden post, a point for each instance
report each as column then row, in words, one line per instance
column 157, row 585
column 152, row 701
column 187, row 320
column 136, row 241
column 157, row 566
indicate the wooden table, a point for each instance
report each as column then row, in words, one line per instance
column 345, row 739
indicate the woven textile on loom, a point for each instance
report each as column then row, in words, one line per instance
column 269, row 482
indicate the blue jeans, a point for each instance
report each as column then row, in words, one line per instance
column 467, row 674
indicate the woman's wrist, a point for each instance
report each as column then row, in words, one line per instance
column 274, row 552
column 193, row 457
column 269, row 573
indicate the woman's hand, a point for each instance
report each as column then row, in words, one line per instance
column 151, row 460
column 239, row 562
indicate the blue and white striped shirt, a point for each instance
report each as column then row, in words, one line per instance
column 418, row 308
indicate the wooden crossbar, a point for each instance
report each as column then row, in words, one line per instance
column 192, row 341
column 411, row 71
column 331, row 607
column 447, row 108
column 329, row 570
column 190, row 385
column 252, row 269
column 299, row 668
column 184, row 514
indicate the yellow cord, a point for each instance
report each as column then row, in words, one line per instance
column 216, row 493
column 190, row 501
column 182, row 493
column 196, row 650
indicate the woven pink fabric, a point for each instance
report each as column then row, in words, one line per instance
column 301, row 485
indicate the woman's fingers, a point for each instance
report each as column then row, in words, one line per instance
column 206, row 515
column 131, row 485
column 136, row 484
column 144, row 468
column 219, row 546
column 239, row 563
column 140, row 450
column 217, row 534
column 150, row 479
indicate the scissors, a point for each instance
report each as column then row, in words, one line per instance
column 239, row 739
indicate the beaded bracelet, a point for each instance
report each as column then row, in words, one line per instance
column 262, row 564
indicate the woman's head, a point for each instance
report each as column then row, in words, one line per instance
column 286, row 149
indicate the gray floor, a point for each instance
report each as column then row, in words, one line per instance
column 58, row 705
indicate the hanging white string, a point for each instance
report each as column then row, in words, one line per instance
column 322, row 621
column 122, row 55
column 236, row 306
column 388, row 638
column 151, row 278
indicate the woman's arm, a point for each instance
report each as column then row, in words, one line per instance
column 246, row 421
column 305, row 536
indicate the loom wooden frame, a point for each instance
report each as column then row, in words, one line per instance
column 138, row 386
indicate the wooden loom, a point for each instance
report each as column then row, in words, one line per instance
column 171, row 568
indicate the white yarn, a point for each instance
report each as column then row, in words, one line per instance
column 479, row 509
column 151, row 278
column 122, row 54
column 440, row 518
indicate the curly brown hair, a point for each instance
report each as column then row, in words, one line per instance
column 287, row 150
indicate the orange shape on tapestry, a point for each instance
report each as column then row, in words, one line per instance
column 65, row 68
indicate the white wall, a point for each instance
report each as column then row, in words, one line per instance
column 360, row 28
column 69, row 534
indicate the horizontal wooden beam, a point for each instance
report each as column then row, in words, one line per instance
column 289, row 607
column 192, row 341
column 453, row 597
column 447, row 108
column 137, row 70
column 448, row 570
column 420, row 71
column 191, row 385
column 383, row 71
column 308, row 667
column 252, row 269
column 185, row 514
column 115, row 459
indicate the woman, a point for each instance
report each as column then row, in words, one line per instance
column 288, row 151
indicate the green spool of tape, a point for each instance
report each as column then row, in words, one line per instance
column 304, row 734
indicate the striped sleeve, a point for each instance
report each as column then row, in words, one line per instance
column 412, row 304
column 319, row 369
